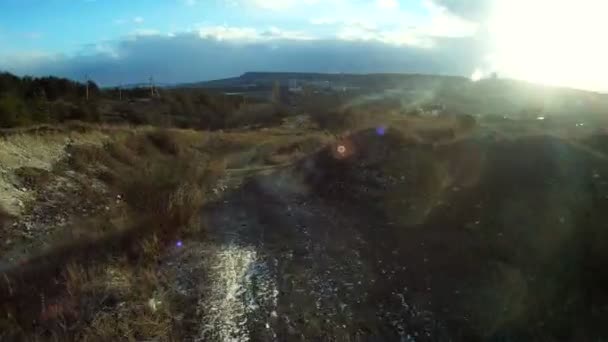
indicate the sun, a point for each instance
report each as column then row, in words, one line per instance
column 556, row 42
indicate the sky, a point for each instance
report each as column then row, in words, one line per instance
column 557, row 42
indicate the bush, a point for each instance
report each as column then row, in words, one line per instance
column 347, row 120
column 85, row 111
column 4, row 217
column 32, row 177
column 12, row 112
column 166, row 141
column 61, row 111
column 256, row 115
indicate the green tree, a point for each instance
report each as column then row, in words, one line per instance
column 12, row 111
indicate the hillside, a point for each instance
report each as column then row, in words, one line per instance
column 439, row 209
column 489, row 97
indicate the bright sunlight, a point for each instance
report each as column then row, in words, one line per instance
column 551, row 42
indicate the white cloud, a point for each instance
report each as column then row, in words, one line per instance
column 387, row 4
column 138, row 20
column 349, row 31
column 323, row 21
column 249, row 34
column 399, row 37
column 146, row 32
column 445, row 24
column 228, row 33
column 275, row 4
column 279, row 5
column 186, row 57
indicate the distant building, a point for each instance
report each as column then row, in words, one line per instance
column 320, row 84
column 344, row 88
column 294, row 87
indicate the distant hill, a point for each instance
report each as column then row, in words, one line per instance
column 253, row 79
column 141, row 85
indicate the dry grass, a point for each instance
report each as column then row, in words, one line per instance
column 160, row 177
column 118, row 302
column 256, row 115
column 39, row 151
column 32, row 178
column 4, row 217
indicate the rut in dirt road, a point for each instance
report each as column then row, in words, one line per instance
column 291, row 266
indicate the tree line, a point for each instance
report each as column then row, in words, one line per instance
column 31, row 100
column 47, row 100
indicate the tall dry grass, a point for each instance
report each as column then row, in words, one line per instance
column 101, row 287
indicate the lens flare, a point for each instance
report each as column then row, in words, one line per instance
column 343, row 149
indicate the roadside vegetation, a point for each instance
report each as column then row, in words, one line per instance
column 27, row 101
column 98, row 275
column 100, row 215
column 100, row 198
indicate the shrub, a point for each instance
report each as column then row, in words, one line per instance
column 166, row 141
column 4, row 217
column 32, row 177
column 347, row 120
column 256, row 115
column 12, row 112
column 61, row 111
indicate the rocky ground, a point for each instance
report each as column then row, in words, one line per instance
column 379, row 235
column 320, row 250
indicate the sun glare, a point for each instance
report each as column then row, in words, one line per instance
column 551, row 42
column 476, row 75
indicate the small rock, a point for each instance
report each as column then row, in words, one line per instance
column 153, row 304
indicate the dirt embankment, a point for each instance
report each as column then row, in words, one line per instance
column 385, row 234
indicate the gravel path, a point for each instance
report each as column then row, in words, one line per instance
column 289, row 266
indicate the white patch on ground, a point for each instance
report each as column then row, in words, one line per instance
column 33, row 150
column 239, row 284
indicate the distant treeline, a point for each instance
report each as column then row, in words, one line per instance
column 28, row 100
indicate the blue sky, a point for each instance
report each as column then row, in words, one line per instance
column 120, row 41
column 70, row 26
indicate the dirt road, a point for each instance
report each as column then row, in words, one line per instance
column 301, row 256
column 292, row 266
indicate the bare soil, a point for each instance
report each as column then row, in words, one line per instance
column 482, row 239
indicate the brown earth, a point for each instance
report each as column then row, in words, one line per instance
column 384, row 234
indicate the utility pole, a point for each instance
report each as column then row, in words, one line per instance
column 276, row 92
column 153, row 91
column 120, row 92
column 86, row 82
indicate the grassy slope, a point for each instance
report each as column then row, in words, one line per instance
column 126, row 197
